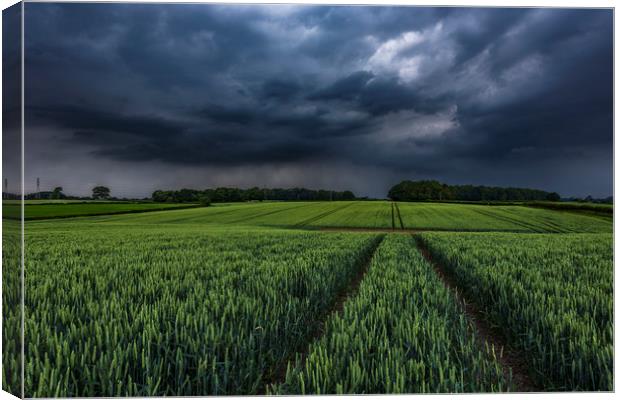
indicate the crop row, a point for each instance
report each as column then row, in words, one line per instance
column 154, row 313
column 403, row 332
column 551, row 295
column 11, row 307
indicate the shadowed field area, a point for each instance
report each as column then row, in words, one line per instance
column 34, row 210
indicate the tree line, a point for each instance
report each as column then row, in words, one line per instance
column 433, row 190
column 99, row 193
column 230, row 195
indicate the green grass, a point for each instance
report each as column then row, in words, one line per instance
column 64, row 210
column 552, row 295
column 402, row 333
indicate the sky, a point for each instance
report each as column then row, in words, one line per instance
column 11, row 98
column 152, row 96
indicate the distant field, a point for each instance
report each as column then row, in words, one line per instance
column 600, row 209
column 469, row 217
column 62, row 210
column 337, row 214
column 577, row 204
column 64, row 201
column 375, row 214
column 371, row 215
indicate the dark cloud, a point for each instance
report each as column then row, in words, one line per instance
column 228, row 115
column 281, row 90
column 378, row 95
column 11, row 97
column 82, row 119
column 348, row 88
column 457, row 94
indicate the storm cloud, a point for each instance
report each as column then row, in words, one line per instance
column 147, row 96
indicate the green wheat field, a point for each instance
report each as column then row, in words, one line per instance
column 308, row 298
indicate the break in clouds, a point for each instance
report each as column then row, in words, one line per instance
column 144, row 97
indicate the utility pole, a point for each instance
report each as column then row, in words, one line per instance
column 38, row 189
column 5, row 194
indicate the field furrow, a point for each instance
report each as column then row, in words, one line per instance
column 278, row 374
column 267, row 213
column 552, row 296
column 513, row 362
column 315, row 218
column 403, row 332
column 400, row 218
column 376, row 214
column 133, row 312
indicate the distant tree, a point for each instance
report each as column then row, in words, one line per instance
column 101, row 193
column 348, row 195
column 226, row 195
column 204, row 200
column 553, row 197
column 252, row 194
column 57, row 193
column 186, row 196
column 433, row 190
column 159, row 196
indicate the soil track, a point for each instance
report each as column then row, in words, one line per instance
column 278, row 374
column 369, row 230
column 264, row 214
column 315, row 218
column 509, row 358
column 400, row 219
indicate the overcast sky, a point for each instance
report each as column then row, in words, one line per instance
column 144, row 97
